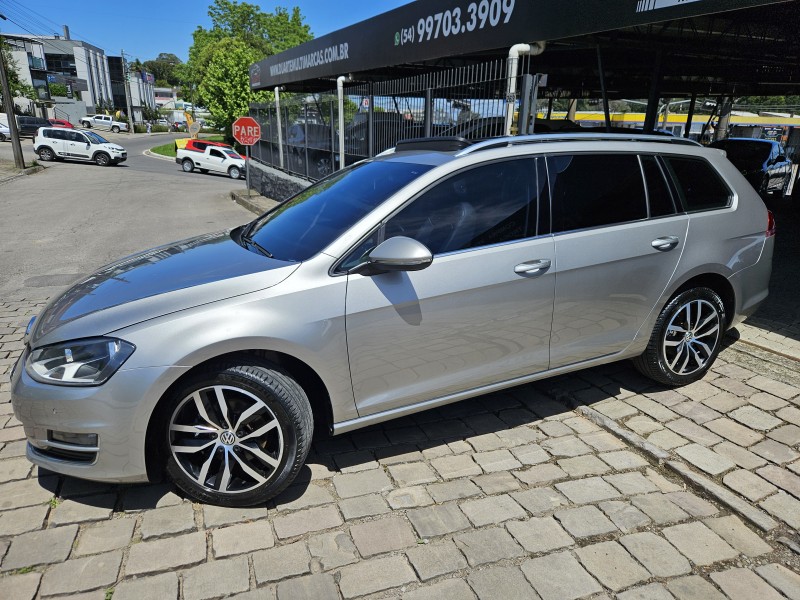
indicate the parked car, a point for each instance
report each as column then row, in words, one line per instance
column 61, row 123
column 401, row 283
column 5, row 132
column 27, row 126
column 163, row 122
column 54, row 143
column 103, row 122
column 212, row 158
column 762, row 162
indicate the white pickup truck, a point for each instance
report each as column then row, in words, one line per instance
column 103, row 122
column 218, row 159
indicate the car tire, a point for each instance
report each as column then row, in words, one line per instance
column 234, row 172
column 86, row 124
column 686, row 339
column 187, row 165
column 101, row 159
column 237, row 433
column 46, row 154
column 2, row 137
column 115, row 129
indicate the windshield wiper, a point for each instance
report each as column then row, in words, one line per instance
column 248, row 240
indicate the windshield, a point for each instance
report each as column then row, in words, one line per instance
column 305, row 224
column 231, row 153
column 97, row 139
column 744, row 154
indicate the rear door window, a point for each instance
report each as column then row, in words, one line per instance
column 698, row 183
column 659, row 198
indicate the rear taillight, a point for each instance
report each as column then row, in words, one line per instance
column 770, row 224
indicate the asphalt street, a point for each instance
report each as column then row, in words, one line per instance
column 74, row 217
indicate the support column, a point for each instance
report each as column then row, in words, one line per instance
column 652, row 100
column 721, row 132
column 690, row 116
column 606, row 110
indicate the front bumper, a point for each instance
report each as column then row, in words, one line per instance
column 117, row 412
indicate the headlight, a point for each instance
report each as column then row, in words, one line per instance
column 80, row 362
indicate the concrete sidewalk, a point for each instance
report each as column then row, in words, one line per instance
column 9, row 171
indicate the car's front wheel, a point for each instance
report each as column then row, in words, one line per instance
column 234, row 173
column 115, row 129
column 102, row 159
column 686, row 339
column 187, row 165
column 86, row 124
column 46, row 154
column 2, row 137
column 236, row 434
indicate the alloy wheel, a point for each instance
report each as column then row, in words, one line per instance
column 691, row 337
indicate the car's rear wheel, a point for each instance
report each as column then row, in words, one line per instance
column 686, row 339
column 115, row 129
column 86, row 124
column 46, row 154
column 2, row 137
column 236, row 434
column 234, row 173
column 102, row 159
column 187, row 165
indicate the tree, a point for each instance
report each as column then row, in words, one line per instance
column 164, row 69
column 18, row 87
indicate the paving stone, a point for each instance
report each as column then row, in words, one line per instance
column 216, row 516
column 666, row 439
column 734, row 432
column 781, row 478
column 693, row 587
column 659, row 508
column 454, row 467
column 737, row 534
column 449, row 589
column 501, row 583
column 539, row 534
column 158, row 587
column 238, row 539
column 749, row 485
column 21, row 587
column 743, row 584
column 298, row 497
column 382, row 535
column 318, row 586
column 304, row 521
column 487, row 546
column 661, row 482
column 372, row 576
column 497, row 483
column 643, row 425
column 615, row 409
column 611, row 564
column 541, row 474
column 693, row 432
column 540, row 500
column 776, row 388
column 437, row 520
column 408, row 474
column 699, row 544
column 782, row 579
column 492, row 510
column 166, row 554
column 215, row 579
column 783, row 506
column 452, row 490
column 775, row 452
column 651, row 591
column 433, row 560
column 22, row 520
column 104, row 537
column 572, row 580
column 705, row 459
column 398, row 454
column 656, row 554
column 724, row 402
column 486, row 442
column 498, row 460
column 631, row 483
column 591, row 489
column 332, row 550
column 361, row 484
column 788, row 434
column 624, row 515
column 585, row 521
column 278, row 563
column 766, row 401
column 363, row 506
column 693, row 504
column 790, row 414
column 602, row 441
column 668, row 397
column 519, row 436
column 355, row 462
column 40, row 547
column 146, row 497
column 755, row 418
column 28, row 492
column 167, row 521
column 743, row 458
column 697, row 412
column 13, row 469
column 555, row 429
column 622, row 460
column 531, row 454
column 82, row 574
column 580, row 466
column 409, row 497
column 795, row 467
column 567, row 446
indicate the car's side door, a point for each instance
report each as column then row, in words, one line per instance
column 78, row 145
column 479, row 314
column 618, row 240
column 215, row 160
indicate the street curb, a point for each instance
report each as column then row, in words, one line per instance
column 158, row 156
column 255, row 204
column 750, row 513
column 29, row 171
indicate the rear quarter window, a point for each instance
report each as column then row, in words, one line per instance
column 699, row 185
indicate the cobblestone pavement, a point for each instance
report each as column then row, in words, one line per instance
column 513, row 495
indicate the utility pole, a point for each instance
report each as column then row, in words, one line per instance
column 19, row 160
column 126, row 73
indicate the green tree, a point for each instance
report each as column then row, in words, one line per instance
column 164, row 68
column 18, row 87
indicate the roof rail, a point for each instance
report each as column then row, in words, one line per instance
column 566, row 136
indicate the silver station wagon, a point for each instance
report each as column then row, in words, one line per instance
column 438, row 271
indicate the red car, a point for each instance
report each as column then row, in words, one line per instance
column 61, row 123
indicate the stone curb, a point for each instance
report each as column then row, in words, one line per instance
column 256, row 204
column 22, row 173
column 733, row 502
column 158, row 156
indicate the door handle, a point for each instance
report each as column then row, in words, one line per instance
column 665, row 244
column 532, row 267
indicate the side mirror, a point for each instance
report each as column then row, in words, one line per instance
column 396, row 254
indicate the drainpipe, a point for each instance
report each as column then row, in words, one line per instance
column 534, row 49
column 280, row 127
column 340, row 92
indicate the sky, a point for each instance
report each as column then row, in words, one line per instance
column 156, row 26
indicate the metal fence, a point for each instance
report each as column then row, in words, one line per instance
column 300, row 132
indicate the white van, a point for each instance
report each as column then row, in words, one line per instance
column 54, row 143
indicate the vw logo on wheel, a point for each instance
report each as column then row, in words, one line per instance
column 227, row 438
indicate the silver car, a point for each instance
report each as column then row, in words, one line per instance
column 438, row 271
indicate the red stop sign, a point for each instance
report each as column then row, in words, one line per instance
column 246, row 131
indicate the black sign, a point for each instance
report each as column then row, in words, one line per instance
column 431, row 29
